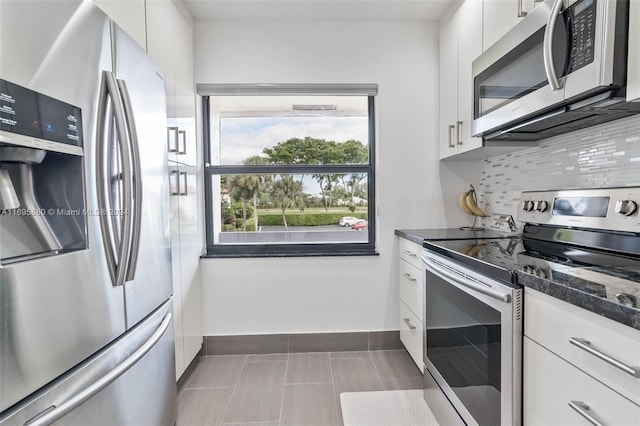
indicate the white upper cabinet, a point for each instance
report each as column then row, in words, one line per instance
column 469, row 32
column 448, row 44
column 460, row 43
column 469, row 48
column 129, row 14
column 499, row 16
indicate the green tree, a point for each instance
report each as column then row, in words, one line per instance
column 320, row 151
column 295, row 151
column 353, row 152
column 254, row 184
column 287, row 192
column 240, row 191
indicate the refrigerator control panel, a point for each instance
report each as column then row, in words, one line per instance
column 32, row 114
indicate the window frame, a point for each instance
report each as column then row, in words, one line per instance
column 287, row 250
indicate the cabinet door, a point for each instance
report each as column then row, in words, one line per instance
column 469, row 48
column 128, row 14
column 448, row 87
column 160, row 46
column 499, row 16
column 555, row 324
column 190, row 251
column 551, row 384
column 185, row 86
column 174, row 226
column 411, row 335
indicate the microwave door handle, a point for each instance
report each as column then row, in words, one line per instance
column 136, row 215
column 547, row 46
column 445, row 274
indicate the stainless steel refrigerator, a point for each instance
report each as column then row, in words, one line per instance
column 86, row 333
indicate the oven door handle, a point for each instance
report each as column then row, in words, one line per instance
column 445, row 274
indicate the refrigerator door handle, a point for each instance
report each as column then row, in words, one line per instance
column 54, row 413
column 116, row 258
column 136, row 216
column 104, row 138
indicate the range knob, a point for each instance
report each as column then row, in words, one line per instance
column 527, row 205
column 626, row 207
column 541, row 206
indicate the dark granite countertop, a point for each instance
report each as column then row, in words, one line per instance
column 610, row 291
column 604, row 293
column 414, row 235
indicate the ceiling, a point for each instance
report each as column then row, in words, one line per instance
column 341, row 10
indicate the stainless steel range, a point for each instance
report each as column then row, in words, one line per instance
column 585, row 240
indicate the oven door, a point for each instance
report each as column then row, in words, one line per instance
column 473, row 345
column 562, row 51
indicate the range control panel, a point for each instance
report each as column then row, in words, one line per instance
column 615, row 209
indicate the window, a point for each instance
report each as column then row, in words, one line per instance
column 289, row 170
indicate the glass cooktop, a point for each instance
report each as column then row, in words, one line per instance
column 598, row 273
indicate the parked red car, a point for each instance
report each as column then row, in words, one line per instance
column 360, row 225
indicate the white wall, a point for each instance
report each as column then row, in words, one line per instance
column 332, row 294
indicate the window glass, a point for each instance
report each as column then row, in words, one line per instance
column 289, row 170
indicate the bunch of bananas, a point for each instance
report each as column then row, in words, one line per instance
column 468, row 203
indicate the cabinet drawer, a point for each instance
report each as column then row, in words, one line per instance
column 411, row 330
column 555, row 324
column 551, row 383
column 411, row 283
column 410, row 252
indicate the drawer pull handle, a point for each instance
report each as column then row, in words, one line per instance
column 409, row 253
column 408, row 322
column 408, row 276
column 582, row 409
column 586, row 346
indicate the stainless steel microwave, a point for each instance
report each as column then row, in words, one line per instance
column 562, row 68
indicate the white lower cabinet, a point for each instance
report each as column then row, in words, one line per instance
column 411, row 283
column 186, row 248
column 585, row 339
column 579, row 368
column 557, row 393
column 411, row 289
column 411, row 330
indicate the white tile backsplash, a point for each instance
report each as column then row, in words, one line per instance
column 607, row 155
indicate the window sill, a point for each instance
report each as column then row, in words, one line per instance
column 273, row 253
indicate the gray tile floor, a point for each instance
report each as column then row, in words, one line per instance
column 297, row 389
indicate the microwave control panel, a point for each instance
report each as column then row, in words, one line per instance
column 581, row 22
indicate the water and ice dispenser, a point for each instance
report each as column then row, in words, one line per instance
column 42, row 201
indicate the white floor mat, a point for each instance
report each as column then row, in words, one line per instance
column 386, row 408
